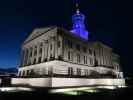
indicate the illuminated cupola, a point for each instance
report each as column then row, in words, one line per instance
column 78, row 24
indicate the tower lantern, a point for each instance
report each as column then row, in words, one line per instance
column 78, row 20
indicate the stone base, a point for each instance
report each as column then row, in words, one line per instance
column 65, row 82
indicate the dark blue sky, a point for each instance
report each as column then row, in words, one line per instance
column 109, row 20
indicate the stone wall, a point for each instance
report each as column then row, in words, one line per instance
column 65, row 82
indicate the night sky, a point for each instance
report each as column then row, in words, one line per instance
column 109, row 20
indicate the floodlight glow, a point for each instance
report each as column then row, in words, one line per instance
column 106, row 87
column 14, row 89
column 121, row 86
column 69, row 89
column 71, row 93
column 91, row 90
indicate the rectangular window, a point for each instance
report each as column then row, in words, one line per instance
column 85, row 59
column 79, row 71
column 78, row 58
column 70, row 71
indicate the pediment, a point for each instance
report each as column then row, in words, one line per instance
column 37, row 32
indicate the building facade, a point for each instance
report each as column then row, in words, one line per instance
column 56, row 52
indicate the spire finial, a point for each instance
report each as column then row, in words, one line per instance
column 77, row 7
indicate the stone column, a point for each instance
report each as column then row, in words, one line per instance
column 26, row 57
column 43, row 52
column 46, row 49
column 28, row 60
column 32, row 59
column 37, row 57
column 53, row 46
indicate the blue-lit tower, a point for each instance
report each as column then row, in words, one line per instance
column 78, row 24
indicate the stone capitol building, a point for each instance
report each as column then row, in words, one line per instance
column 54, row 52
